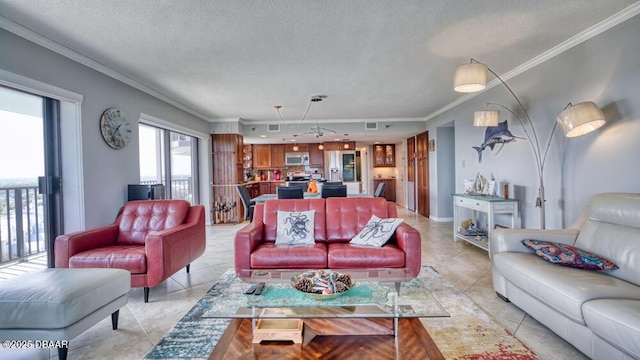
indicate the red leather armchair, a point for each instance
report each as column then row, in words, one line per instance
column 152, row 239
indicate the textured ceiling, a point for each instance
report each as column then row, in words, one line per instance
column 373, row 59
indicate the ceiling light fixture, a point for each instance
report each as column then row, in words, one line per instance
column 314, row 99
column 346, row 142
column 315, row 130
column 320, row 147
column 575, row 120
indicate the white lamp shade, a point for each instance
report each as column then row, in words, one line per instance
column 470, row 77
column 486, row 118
column 580, row 119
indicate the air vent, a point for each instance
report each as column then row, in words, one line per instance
column 273, row 128
column 371, row 126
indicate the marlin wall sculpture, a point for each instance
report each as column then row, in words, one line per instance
column 495, row 135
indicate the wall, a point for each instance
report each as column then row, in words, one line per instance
column 604, row 69
column 445, row 165
column 105, row 172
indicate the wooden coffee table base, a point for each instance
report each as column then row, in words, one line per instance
column 333, row 339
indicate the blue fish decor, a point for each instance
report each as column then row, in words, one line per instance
column 495, row 135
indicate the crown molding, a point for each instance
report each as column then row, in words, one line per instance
column 60, row 49
column 597, row 29
column 155, row 121
column 327, row 121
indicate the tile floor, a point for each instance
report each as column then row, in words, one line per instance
column 143, row 325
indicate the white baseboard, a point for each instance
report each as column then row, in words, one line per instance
column 437, row 219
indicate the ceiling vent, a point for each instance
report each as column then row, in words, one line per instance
column 371, row 126
column 273, row 128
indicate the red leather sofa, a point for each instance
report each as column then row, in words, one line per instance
column 337, row 221
column 152, row 239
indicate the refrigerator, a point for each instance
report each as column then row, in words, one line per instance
column 342, row 165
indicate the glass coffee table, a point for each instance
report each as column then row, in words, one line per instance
column 377, row 293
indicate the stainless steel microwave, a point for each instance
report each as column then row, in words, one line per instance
column 296, row 159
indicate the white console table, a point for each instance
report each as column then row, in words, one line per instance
column 491, row 205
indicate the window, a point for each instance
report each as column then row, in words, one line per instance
column 168, row 157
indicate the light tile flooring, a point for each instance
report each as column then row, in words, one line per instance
column 143, row 325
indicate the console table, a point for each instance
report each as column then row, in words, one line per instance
column 492, row 206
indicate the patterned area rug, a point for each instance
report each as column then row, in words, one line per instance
column 469, row 333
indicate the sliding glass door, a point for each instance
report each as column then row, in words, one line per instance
column 30, row 201
column 168, row 157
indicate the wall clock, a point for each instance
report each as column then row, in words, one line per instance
column 115, row 128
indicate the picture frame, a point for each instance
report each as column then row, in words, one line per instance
column 432, row 145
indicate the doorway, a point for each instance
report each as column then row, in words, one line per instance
column 30, row 169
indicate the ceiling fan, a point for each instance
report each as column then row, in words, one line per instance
column 316, row 131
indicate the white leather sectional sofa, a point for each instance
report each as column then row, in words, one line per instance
column 598, row 312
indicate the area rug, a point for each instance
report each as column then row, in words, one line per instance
column 469, row 333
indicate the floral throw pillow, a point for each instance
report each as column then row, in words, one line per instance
column 295, row 227
column 568, row 255
column 376, row 232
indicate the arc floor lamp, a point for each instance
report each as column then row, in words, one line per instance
column 574, row 120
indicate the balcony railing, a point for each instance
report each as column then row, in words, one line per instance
column 180, row 189
column 22, row 230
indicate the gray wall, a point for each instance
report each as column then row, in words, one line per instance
column 604, row 69
column 105, row 171
column 445, row 165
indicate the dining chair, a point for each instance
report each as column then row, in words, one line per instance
column 333, row 191
column 303, row 185
column 288, row 192
column 249, row 205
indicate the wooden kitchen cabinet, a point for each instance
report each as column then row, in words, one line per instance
column 384, row 155
column 301, row 148
column 316, row 156
column 247, row 156
column 265, row 188
column 261, row 156
column 274, row 185
column 339, row 145
column 227, row 166
column 389, row 189
column 277, row 156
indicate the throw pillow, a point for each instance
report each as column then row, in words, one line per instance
column 568, row 255
column 376, row 232
column 295, row 227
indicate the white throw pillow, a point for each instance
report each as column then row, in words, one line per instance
column 295, row 227
column 377, row 231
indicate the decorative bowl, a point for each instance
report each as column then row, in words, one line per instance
column 322, row 284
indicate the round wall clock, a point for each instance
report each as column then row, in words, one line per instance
column 115, row 128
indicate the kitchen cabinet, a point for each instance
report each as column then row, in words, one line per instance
column 277, row 156
column 316, row 157
column 274, row 185
column 227, row 169
column 332, row 146
column 254, row 190
column 384, row 155
column 265, row 188
column 261, row 156
column 389, row 189
column 301, row 147
column 247, row 156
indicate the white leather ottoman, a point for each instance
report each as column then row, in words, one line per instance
column 47, row 308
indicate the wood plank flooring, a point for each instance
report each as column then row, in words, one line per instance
column 331, row 339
